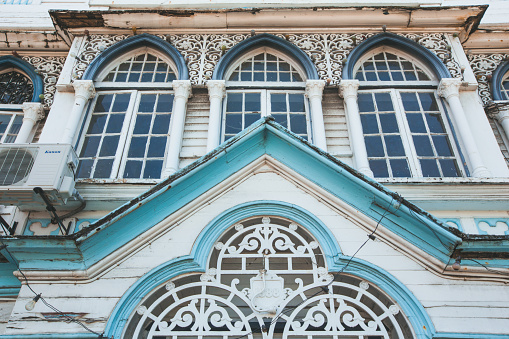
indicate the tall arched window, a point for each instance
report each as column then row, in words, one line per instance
column 267, row 277
column 265, row 82
column 126, row 134
column 405, row 128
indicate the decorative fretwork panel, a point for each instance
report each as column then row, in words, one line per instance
column 267, row 278
column 15, row 88
column 328, row 51
column 483, row 66
column 49, row 67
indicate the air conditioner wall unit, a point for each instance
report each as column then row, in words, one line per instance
column 26, row 166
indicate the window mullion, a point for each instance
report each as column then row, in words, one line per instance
column 126, row 135
column 406, row 136
column 265, row 102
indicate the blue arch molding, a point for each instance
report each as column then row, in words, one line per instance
column 196, row 262
column 496, row 80
column 265, row 40
column 131, row 43
column 8, row 61
column 406, row 45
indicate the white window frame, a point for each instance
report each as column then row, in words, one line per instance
column 14, row 111
column 126, row 133
column 406, row 135
column 265, row 106
column 265, row 88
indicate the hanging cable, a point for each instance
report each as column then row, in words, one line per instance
column 38, row 296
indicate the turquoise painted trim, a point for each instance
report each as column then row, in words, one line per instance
column 225, row 220
column 444, row 335
column 262, row 40
column 44, row 224
column 131, row 43
column 197, row 262
column 406, row 45
column 9, row 284
column 83, row 249
column 50, row 336
column 455, row 221
column 492, row 222
column 81, row 221
column 496, row 80
column 8, row 61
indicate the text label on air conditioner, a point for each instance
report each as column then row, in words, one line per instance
column 52, row 152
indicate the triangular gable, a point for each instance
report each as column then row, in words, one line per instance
column 265, row 138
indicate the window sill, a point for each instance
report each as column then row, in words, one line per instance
column 462, row 180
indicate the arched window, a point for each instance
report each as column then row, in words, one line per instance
column 127, row 131
column 267, row 277
column 19, row 83
column 405, row 128
column 265, row 82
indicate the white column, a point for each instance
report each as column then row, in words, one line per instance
column 503, row 119
column 314, row 92
column 182, row 90
column 83, row 90
column 216, row 95
column 32, row 112
column 348, row 90
column 449, row 89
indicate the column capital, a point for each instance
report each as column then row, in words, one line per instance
column 449, row 87
column 348, row 88
column 217, row 88
column 182, row 88
column 314, row 88
column 33, row 111
column 84, row 88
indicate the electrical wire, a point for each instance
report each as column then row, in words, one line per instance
column 371, row 236
column 487, row 268
column 44, row 301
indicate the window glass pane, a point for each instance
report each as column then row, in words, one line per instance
column 165, row 103
column 298, row 123
column 234, row 102
column 394, row 145
column 379, row 168
column 416, row 122
column 85, row 168
column 422, row 145
column 90, row 146
column 389, row 123
column 109, row 146
column 161, row 124
column 251, row 118
column 435, row 123
column 296, row 102
column 428, row 102
column 383, row 102
column 121, row 102
column 369, row 123
column 103, row 103
column 281, row 119
column 252, row 102
column 376, row 69
column 157, row 147
column 278, row 102
column 115, row 123
column 153, row 169
column 141, row 68
column 410, row 102
column 365, row 101
column 429, row 168
column 147, row 103
column 442, row 146
column 97, row 123
column 233, row 123
column 142, row 125
column 374, row 146
column 449, row 168
column 4, row 122
column 137, row 147
column 103, row 168
column 132, row 169
column 400, row 168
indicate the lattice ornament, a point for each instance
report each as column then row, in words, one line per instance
column 268, row 273
column 49, row 67
column 483, row 66
column 328, row 51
